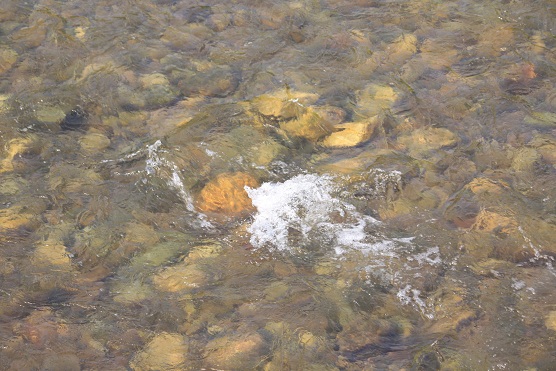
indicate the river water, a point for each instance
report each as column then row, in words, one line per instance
column 272, row 185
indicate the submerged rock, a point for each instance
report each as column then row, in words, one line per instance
column 7, row 59
column 184, row 276
column 166, row 351
column 351, row 134
column 226, row 194
column 425, row 142
column 309, row 125
column 236, row 352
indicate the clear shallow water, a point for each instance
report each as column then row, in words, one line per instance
column 308, row 185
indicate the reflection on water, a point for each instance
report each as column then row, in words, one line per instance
column 311, row 185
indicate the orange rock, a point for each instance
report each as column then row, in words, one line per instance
column 226, row 194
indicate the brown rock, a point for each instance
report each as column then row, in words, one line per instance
column 183, row 276
column 423, row 142
column 309, row 125
column 164, row 352
column 7, row 59
column 226, row 194
column 239, row 352
column 351, row 134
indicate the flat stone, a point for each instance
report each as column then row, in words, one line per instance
column 237, row 352
column 7, row 59
column 166, row 351
column 351, row 134
column 550, row 321
column 226, row 194
column 309, row 125
column 94, row 142
column 181, row 277
column 423, row 142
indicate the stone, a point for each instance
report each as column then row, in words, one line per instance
column 181, row 277
column 18, row 147
column 374, row 99
column 50, row 115
column 131, row 292
column 332, row 114
column 94, row 142
column 235, row 352
column 61, row 362
column 166, row 351
column 7, row 59
column 15, row 217
column 309, row 125
column 140, row 234
column 488, row 221
column 52, row 253
column 226, row 195
column 218, row 22
column 546, row 145
column 424, row 142
column 351, row 134
column 283, row 104
column 526, row 159
column 550, row 321
column 210, row 81
column 181, row 40
column 153, row 79
column 31, row 36
column 402, row 48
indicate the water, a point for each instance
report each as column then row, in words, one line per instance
column 311, row 185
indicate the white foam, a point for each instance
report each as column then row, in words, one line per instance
column 305, row 207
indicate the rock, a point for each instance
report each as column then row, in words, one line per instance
column 181, row 40
column 402, row 48
column 218, row 22
column 52, row 253
column 61, row 362
column 526, row 159
column 235, row 352
column 211, row 81
column 7, row 59
column 94, row 142
column 181, row 277
column 50, row 115
column 131, row 292
column 546, row 145
column 19, row 147
column 11, row 185
column 166, row 351
column 425, row 142
column 16, row 217
column 205, row 251
column 140, row 234
column 31, row 36
column 308, row 125
column 226, row 194
column 452, row 311
column 487, row 221
column 351, row 134
column 374, row 99
column 333, row 115
column 463, row 208
column 153, row 79
column 437, row 55
column 550, row 321
column 284, row 104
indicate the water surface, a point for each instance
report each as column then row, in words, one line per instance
column 271, row 185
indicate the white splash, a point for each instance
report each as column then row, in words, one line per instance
column 302, row 210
